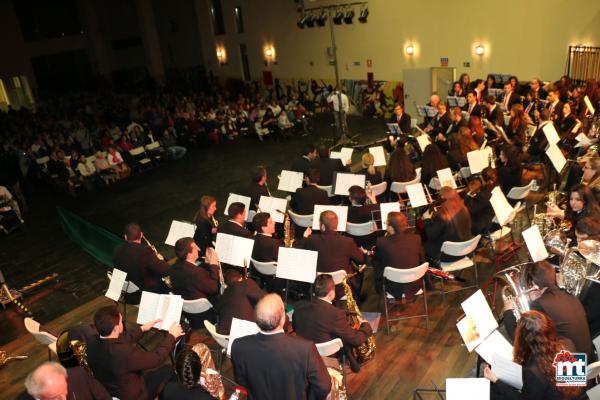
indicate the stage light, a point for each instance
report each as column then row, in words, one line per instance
column 410, row 50
column 302, row 21
column 321, row 18
column 364, row 13
column 480, row 50
column 221, row 55
column 349, row 16
column 310, row 21
column 337, row 18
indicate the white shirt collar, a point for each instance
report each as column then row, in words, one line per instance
column 272, row 332
column 325, row 300
column 237, row 223
column 265, row 234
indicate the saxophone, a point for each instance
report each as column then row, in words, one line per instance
column 288, row 230
column 365, row 351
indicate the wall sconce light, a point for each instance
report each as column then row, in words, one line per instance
column 480, row 50
column 410, row 50
column 221, row 55
column 269, row 53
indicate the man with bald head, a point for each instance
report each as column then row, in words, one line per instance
column 274, row 365
column 51, row 381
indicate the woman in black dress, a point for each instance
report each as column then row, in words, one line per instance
column 206, row 224
column 186, row 382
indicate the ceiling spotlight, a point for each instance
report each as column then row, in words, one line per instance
column 310, row 21
column 337, row 18
column 302, row 21
column 364, row 13
column 321, row 18
column 349, row 16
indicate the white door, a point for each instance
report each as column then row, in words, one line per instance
column 417, row 89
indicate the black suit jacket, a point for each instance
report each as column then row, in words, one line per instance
column 203, row 235
column 327, row 166
column 514, row 99
column 566, row 312
column 279, row 366
column 254, row 191
column 361, row 214
column 237, row 301
column 404, row 122
column 118, row 363
column 302, row 164
column 231, row 228
column 440, row 124
column 538, row 144
column 335, row 251
column 481, row 211
column 304, row 200
column 142, row 266
column 266, row 248
column 194, row 282
column 402, row 250
column 320, row 321
column 496, row 116
column 176, row 391
column 476, row 112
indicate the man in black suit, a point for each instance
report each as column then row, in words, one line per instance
column 565, row 310
column 193, row 282
column 539, row 142
column 52, row 381
column 360, row 212
column 237, row 301
column 554, row 105
column 472, row 107
column 494, row 113
column 401, row 118
column 398, row 250
column 510, row 97
column 273, row 365
column 143, row 266
column 266, row 247
column 304, row 200
column 327, row 166
column 303, row 164
column 478, row 202
column 320, row 321
column 540, row 92
column 125, row 370
column 457, row 121
column 235, row 225
column 258, row 187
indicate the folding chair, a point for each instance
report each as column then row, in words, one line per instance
column 41, row 337
column 459, row 249
column 330, row 348
column 222, row 342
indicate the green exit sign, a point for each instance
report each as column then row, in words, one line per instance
column 467, row 64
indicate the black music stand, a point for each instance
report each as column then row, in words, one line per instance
column 440, row 394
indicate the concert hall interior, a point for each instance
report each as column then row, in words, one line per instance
column 299, row 199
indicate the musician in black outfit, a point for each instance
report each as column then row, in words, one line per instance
column 237, row 301
column 266, row 248
column 538, row 141
column 440, row 123
column 554, row 105
column 510, row 97
column 564, row 310
column 304, row 163
column 185, row 382
column 320, row 321
column 472, row 107
column 477, row 201
column 360, row 212
column 327, row 166
column 401, row 118
column 193, row 282
column 206, row 225
column 398, row 249
column 258, row 187
column 304, row 200
column 237, row 218
column 144, row 267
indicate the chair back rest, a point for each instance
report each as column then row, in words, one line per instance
column 405, row 275
column 593, row 370
column 465, row 172
column 338, row 276
column 364, row 229
column 301, row 220
column 329, row 348
column 153, row 146
column 435, row 184
column 328, row 189
column 460, row 249
column 250, row 216
column 137, row 151
column 197, row 306
column 520, row 192
column 130, row 287
column 222, row 340
column 596, row 342
column 41, row 337
column 31, row 325
column 265, row 268
column 379, row 188
column 400, row 187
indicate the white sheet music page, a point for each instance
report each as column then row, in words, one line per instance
column 589, row 105
column 477, row 307
column 271, row 205
column 582, row 140
column 594, row 393
column 343, row 182
column 446, row 178
column 550, row 133
column 416, row 195
column 387, row 208
column 336, row 155
column 172, row 313
column 346, row 154
column 494, row 344
column 297, row 264
column 535, row 243
column 178, row 230
column 290, row 181
column 240, row 328
column 501, row 206
column 467, row 389
column 476, row 161
column 508, row 371
column 469, row 333
column 233, row 198
column 340, row 211
column 557, row 157
column 423, row 141
column 117, row 283
column 379, row 155
column 148, row 308
column 233, row 249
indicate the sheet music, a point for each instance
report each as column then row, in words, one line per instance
column 297, row 264
column 271, row 205
column 468, row 332
column 117, row 284
column 431, row 111
column 550, row 133
column 416, row 195
column 178, row 230
column 233, row 198
column 452, row 101
column 387, row 208
column 589, row 105
column 234, row 249
column 171, row 314
column 148, row 307
column 240, row 328
column 394, row 128
column 582, row 140
column 557, row 157
column 477, row 307
column 535, row 243
column 166, row 307
column 423, row 141
column 508, row 371
column 342, row 182
column 290, row 181
column 477, row 161
column 335, row 155
column 340, row 211
column 501, row 206
column 494, row 344
column 421, row 111
column 594, row 393
column 379, row 155
column 446, row 178
column 467, row 389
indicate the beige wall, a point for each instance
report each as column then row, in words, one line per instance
column 524, row 37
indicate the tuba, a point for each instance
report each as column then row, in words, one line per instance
column 365, row 351
column 518, row 286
